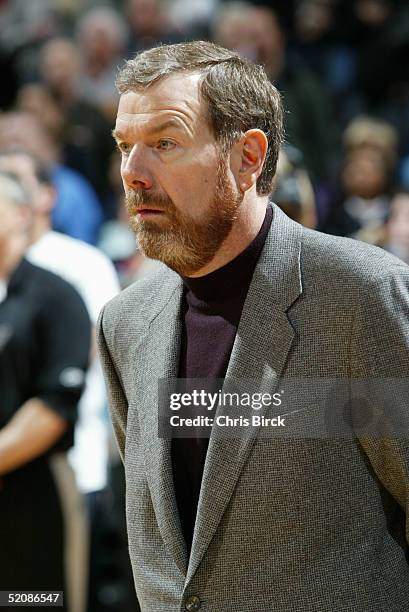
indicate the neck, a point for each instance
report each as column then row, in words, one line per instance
column 246, row 227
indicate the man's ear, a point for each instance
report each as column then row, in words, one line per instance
column 253, row 151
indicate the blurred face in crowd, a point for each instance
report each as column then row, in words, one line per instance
column 313, row 18
column 41, row 196
column 60, row 64
column 365, row 173
column 254, row 33
column 100, row 41
column 231, row 30
column 145, row 16
column 373, row 13
column 36, row 100
column 181, row 193
column 20, row 130
column 265, row 34
column 22, row 166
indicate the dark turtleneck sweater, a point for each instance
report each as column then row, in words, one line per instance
column 211, row 311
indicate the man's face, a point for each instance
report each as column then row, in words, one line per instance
column 60, row 63
column 23, row 131
column 22, row 166
column 180, row 191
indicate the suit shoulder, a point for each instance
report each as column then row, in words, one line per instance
column 348, row 260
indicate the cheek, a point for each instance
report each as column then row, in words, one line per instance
column 191, row 183
column 193, row 196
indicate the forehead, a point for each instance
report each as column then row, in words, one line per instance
column 176, row 96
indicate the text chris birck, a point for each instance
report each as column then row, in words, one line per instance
column 223, row 420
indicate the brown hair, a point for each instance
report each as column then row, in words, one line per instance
column 238, row 93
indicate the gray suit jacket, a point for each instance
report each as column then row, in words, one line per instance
column 291, row 523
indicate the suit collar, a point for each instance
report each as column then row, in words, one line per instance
column 280, row 260
column 167, row 287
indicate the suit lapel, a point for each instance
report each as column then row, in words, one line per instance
column 159, row 359
column 260, row 350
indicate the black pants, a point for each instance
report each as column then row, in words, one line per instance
column 31, row 530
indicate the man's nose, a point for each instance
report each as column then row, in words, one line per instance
column 134, row 170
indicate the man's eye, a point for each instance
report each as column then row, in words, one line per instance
column 165, row 145
column 124, row 147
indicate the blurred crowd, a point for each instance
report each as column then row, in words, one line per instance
column 341, row 67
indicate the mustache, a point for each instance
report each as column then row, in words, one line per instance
column 135, row 200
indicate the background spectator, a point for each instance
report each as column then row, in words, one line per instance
column 43, row 358
column 361, row 202
column 86, row 140
column 83, row 266
column 102, row 36
column 150, row 24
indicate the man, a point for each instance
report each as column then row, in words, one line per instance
column 247, row 522
column 102, row 35
column 61, row 66
column 44, row 351
column 83, row 266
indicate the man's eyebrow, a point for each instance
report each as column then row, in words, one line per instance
column 170, row 123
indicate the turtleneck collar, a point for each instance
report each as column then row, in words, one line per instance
column 234, row 278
